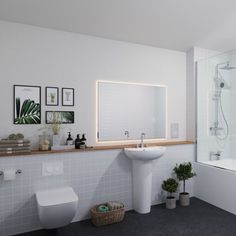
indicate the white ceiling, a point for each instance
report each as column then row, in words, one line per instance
column 172, row 24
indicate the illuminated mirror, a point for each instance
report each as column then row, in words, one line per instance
column 126, row 110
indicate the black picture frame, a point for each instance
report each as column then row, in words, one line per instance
column 68, row 99
column 26, row 105
column 47, row 103
column 61, row 116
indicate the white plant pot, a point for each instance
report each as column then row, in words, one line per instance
column 184, row 199
column 56, row 140
column 170, row 203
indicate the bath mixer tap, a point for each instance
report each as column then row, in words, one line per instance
column 215, row 155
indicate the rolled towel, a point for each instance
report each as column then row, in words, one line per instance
column 115, row 205
column 102, row 208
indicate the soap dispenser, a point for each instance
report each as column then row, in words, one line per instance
column 69, row 140
column 77, row 142
column 83, row 140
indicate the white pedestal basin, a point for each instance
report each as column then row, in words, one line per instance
column 142, row 159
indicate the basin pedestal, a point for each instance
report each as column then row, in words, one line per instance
column 142, row 161
column 142, row 186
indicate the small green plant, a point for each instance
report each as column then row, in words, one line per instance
column 170, row 185
column 55, row 124
column 184, row 172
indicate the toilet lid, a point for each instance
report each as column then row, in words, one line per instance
column 56, row 196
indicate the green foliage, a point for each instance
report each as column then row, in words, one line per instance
column 55, row 124
column 170, row 185
column 184, row 172
column 28, row 113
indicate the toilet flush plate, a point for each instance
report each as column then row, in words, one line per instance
column 174, row 130
column 52, row 168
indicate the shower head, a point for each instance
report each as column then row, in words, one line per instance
column 227, row 67
column 220, row 82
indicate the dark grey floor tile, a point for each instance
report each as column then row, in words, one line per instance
column 199, row 219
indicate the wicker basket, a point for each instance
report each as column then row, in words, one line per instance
column 106, row 218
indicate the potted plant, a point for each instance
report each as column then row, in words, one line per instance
column 55, row 126
column 170, row 185
column 184, row 172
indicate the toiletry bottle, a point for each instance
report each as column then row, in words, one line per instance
column 69, row 140
column 83, row 140
column 77, row 142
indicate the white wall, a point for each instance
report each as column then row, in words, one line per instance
column 37, row 56
column 232, row 106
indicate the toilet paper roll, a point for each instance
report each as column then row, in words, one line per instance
column 9, row 174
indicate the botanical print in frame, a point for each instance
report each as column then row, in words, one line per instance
column 51, row 96
column 68, row 97
column 27, row 104
column 60, row 117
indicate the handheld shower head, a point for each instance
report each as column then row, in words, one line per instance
column 222, row 84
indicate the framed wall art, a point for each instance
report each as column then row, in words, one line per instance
column 27, row 104
column 68, row 97
column 60, row 117
column 51, row 96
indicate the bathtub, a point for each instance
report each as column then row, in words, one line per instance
column 216, row 183
column 229, row 164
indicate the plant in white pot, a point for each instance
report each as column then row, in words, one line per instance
column 55, row 126
column 184, row 172
column 170, row 185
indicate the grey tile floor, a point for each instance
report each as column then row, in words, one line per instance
column 199, row 219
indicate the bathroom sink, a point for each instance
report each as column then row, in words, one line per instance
column 145, row 154
column 142, row 163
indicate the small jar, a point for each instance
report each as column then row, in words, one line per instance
column 44, row 142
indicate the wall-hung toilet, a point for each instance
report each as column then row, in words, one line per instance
column 56, row 207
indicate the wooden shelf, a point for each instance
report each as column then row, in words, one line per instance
column 97, row 148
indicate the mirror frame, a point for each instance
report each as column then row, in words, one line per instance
column 129, row 141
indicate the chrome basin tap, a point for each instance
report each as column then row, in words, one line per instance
column 127, row 134
column 142, row 140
